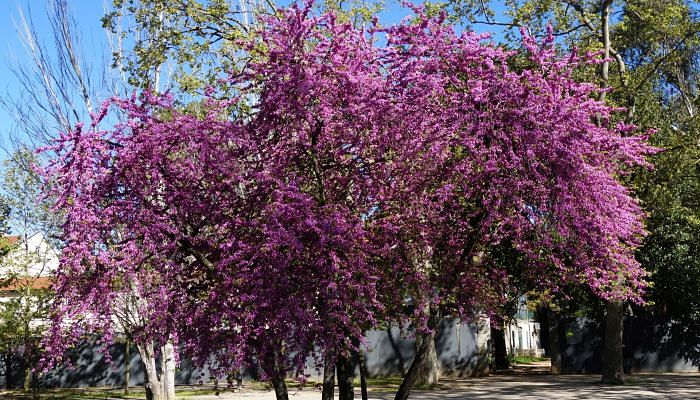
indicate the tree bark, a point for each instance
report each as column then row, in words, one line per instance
column 168, row 370
column 9, row 379
column 346, row 375
column 428, row 370
column 239, row 380
column 554, row 348
column 154, row 385
column 363, row 373
column 613, row 369
column 328, row 379
column 127, row 366
column 280, row 388
column 498, row 335
column 27, row 378
column 413, row 371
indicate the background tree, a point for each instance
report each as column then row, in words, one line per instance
column 646, row 45
column 183, row 45
column 25, row 266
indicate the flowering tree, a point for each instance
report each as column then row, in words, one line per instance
column 506, row 157
column 265, row 230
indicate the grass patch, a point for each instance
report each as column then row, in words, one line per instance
column 100, row 394
column 524, row 359
column 376, row 385
column 67, row 394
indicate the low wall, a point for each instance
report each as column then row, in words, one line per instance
column 647, row 346
column 462, row 351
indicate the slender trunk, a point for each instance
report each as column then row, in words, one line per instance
column 328, row 379
column 280, row 388
column 605, row 36
column 26, row 355
column 147, row 388
column 358, row 357
column 127, row 366
column 612, row 361
column 413, row 371
column 154, row 385
column 9, row 379
column 27, row 378
column 500, row 351
column 168, row 370
column 346, row 376
column 554, row 348
column 363, row 373
column 429, row 370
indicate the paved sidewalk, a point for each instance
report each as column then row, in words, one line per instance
column 519, row 386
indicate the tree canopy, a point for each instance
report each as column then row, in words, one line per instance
column 337, row 177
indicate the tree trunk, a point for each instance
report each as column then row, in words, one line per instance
column 239, row 380
column 413, row 371
column 168, row 370
column 154, row 384
column 554, row 348
column 280, row 388
column 428, row 370
column 27, row 378
column 9, row 379
column 613, row 372
column 127, row 366
column 328, row 379
column 363, row 373
column 498, row 335
column 346, row 375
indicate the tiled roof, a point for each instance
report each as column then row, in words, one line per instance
column 41, row 282
column 10, row 240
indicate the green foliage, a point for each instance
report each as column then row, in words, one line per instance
column 356, row 12
column 25, row 305
column 4, row 225
column 198, row 40
column 672, row 251
column 27, row 212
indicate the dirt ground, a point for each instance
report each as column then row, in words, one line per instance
column 524, row 382
column 531, row 381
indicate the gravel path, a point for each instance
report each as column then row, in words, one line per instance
column 526, row 382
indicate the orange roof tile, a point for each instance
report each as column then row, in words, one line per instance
column 41, row 282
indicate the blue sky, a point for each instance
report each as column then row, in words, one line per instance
column 88, row 14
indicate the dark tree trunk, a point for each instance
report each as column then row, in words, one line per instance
column 500, row 351
column 363, row 373
column 280, row 388
column 413, row 371
column 127, row 366
column 9, row 379
column 239, row 380
column 613, row 372
column 149, row 391
column 346, row 375
column 328, row 379
column 554, row 348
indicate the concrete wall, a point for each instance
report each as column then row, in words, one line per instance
column 646, row 349
column 462, row 349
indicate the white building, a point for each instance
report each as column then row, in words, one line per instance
column 29, row 263
column 523, row 333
